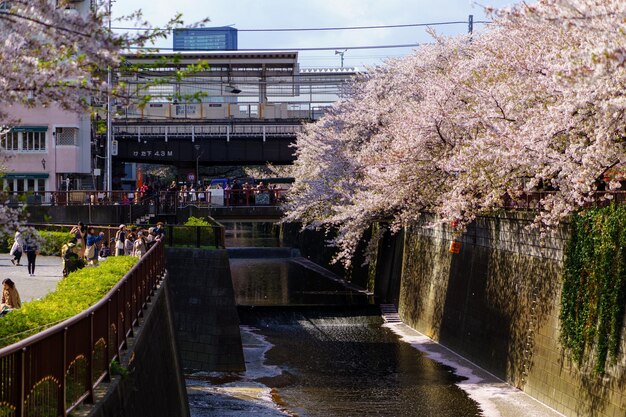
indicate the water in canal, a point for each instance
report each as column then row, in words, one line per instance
column 314, row 348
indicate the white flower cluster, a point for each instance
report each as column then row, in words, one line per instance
column 468, row 125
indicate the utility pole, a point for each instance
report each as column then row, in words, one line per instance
column 470, row 24
column 109, row 165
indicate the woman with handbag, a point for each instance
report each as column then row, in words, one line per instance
column 16, row 249
column 91, row 252
column 120, row 237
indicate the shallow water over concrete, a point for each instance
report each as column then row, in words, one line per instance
column 315, row 348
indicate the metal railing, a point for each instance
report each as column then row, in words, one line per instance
column 169, row 200
column 175, row 235
column 156, row 202
column 532, row 200
column 75, row 197
column 52, row 372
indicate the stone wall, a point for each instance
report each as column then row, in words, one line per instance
column 205, row 313
column 147, row 390
column 497, row 303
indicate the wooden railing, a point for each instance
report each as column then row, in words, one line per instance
column 52, row 372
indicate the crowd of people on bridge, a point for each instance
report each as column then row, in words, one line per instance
column 230, row 192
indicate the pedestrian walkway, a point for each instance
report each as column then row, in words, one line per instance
column 48, row 271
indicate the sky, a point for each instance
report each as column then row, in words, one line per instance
column 266, row 14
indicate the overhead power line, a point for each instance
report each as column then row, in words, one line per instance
column 324, row 48
column 458, row 22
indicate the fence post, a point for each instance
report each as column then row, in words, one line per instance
column 107, row 349
column 62, row 410
column 89, row 398
column 21, row 382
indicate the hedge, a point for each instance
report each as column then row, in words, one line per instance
column 80, row 290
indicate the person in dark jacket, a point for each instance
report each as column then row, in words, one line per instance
column 30, row 249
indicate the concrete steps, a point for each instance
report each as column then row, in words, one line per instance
column 390, row 313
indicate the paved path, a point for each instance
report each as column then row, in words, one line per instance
column 48, row 271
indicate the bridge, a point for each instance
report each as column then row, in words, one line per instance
column 217, row 143
column 244, row 108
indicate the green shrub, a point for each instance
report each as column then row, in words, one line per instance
column 80, row 290
column 52, row 242
column 5, row 243
column 197, row 221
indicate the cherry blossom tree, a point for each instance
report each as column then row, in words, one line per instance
column 52, row 55
column 466, row 123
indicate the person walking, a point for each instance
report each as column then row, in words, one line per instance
column 128, row 244
column 91, row 252
column 30, row 248
column 71, row 260
column 10, row 296
column 120, row 237
column 139, row 246
column 79, row 231
column 17, row 248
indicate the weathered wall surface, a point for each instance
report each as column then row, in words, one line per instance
column 497, row 303
column 155, row 385
column 205, row 314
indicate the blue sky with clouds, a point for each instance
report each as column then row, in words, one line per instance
column 255, row 14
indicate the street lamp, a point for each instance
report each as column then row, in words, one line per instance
column 198, row 155
column 109, row 158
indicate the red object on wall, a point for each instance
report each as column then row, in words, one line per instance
column 455, row 247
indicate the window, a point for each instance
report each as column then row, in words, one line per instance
column 66, row 136
column 9, row 141
column 33, row 141
column 24, row 140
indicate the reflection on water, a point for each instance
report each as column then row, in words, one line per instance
column 281, row 282
column 251, row 234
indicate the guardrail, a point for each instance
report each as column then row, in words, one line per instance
column 52, row 372
column 532, row 200
column 175, row 235
column 161, row 202
column 75, row 197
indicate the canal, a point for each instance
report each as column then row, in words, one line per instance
column 316, row 348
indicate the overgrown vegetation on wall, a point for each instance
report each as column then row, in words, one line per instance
column 594, row 287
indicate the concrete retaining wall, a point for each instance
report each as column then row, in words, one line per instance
column 155, row 384
column 207, row 324
column 87, row 214
column 497, row 303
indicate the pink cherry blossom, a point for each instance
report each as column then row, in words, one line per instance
column 466, row 123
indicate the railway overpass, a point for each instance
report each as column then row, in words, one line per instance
column 239, row 108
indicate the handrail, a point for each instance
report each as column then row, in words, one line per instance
column 57, row 369
column 175, row 235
